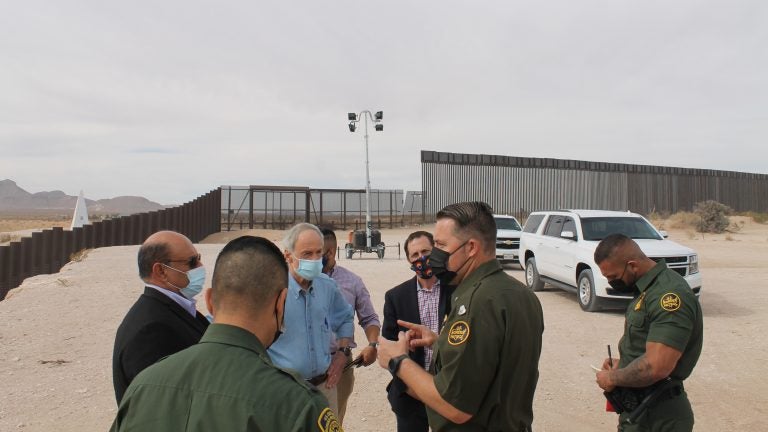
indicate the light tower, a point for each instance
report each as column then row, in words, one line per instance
column 376, row 119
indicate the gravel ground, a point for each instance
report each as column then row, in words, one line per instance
column 57, row 333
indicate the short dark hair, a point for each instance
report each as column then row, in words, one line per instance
column 249, row 270
column 474, row 218
column 149, row 254
column 416, row 234
column 609, row 245
column 328, row 233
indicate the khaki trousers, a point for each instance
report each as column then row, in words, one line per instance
column 330, row 394
column 343, row 390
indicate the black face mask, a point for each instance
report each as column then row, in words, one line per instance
column 438, row 261
column 280, row 326
column 621, row 286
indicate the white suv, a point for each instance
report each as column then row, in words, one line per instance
column 557, row 247
column 508, row 232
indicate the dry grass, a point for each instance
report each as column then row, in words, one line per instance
column 18, row 224
column 683, row 220
column 761, row 218
column 8, row 237
column 79, row 255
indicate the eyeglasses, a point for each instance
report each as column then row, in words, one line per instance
column 191, row 262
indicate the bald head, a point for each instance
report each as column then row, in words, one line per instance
column 161, row 247
column 618, row 248
column 250, row 272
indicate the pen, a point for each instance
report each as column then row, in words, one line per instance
column 610, row 359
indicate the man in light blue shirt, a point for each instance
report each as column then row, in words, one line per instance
column 314, row 308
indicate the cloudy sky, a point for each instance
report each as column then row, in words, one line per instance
column 169, row 99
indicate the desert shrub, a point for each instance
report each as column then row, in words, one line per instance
column 736, row 226
column 714, row 216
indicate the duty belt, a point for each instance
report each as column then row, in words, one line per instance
column 635, row 401
column 316, row 381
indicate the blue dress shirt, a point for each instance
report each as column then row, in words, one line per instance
column 310, row 317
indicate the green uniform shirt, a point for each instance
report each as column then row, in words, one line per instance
column 665, row 311
column 487, row 356
column 225, row 383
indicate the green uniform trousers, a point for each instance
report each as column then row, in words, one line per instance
column 670, row 415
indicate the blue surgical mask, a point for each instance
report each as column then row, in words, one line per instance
column 309, row 269
column 196, row 278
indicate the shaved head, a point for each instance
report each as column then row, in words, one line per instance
column 250, row 271
column 618, row 248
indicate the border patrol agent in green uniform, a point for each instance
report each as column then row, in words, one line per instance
column 661, row 344
column 485, row 367
column 227, row 382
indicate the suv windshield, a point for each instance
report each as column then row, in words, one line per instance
column 507, row 224
column 633, row 227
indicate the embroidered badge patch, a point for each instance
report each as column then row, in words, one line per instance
column 670, row 302
column 327, row 422
column 458, row 333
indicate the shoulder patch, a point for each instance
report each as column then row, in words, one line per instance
column 327, row 422
column 670, row 302
column 458, row 333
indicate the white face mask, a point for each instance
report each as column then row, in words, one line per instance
column 196, row 278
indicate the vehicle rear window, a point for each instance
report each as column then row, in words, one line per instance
column 633, row 227
column 533, row 222
column 507, row 224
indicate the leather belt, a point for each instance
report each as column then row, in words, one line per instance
column 315, row 381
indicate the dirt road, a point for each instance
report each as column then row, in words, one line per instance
column 57, row 331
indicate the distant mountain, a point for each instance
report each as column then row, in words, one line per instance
column 124, row 205
column 12, row 197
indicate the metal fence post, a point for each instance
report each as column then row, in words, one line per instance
column 15, row 264
column 36, row 253
column 26, row 257
column 5, row 271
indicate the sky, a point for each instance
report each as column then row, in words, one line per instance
column 171, row 99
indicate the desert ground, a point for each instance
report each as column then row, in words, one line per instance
column 57, row 331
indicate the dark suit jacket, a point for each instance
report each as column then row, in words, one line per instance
column 402, row 303
column 155, row 327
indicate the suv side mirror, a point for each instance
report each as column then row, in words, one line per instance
column 664, row 234
column 570, row 235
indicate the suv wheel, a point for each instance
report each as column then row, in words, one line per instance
column 586, row 292
column 532, row 278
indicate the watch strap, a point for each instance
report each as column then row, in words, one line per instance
column 395, row 362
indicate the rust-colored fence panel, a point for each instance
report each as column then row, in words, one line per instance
column 49, row 250
column 520, row 185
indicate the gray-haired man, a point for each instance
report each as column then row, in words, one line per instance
column 313, row 309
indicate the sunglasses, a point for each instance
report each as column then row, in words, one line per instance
column 191, row 262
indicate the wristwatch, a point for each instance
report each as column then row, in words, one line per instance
column 394, row 363
column 374, row 344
